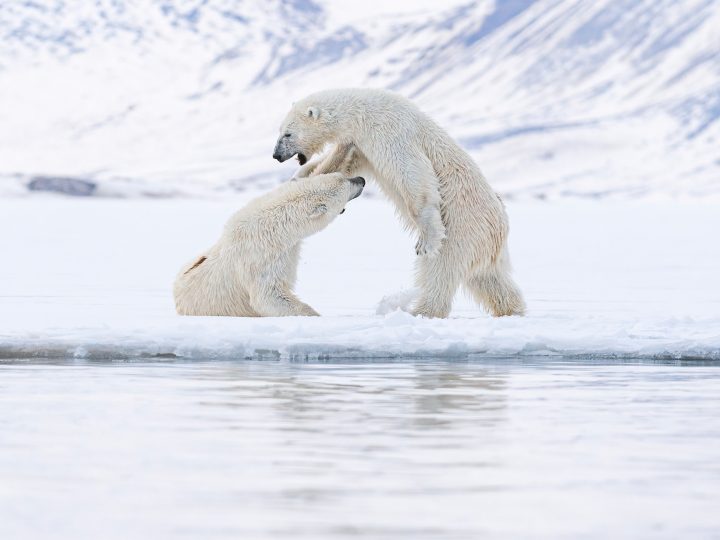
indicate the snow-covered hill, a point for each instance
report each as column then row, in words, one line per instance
column 552, row 97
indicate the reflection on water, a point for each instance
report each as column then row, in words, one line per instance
column 423, row 449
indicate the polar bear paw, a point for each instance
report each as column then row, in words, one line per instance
column 428, row 247
column 431, row 232
column 306, row 170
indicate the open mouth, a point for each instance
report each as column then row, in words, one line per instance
column 302, row 159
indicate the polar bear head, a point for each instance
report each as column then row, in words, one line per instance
column 313, row 203
column 305, row 131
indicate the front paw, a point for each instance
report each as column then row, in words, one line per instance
column 428, row 247
column 305, row 171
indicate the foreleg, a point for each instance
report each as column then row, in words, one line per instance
column 343, row 158
column 419, row 189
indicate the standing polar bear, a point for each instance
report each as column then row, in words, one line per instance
column 251, row 270
column 437, row 188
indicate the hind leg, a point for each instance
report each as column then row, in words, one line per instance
column 437, row 280
column 278, row 301
column 495, row 290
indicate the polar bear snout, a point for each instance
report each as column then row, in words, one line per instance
column 283, row 150
column 281, row 153
column 286, row 147
column 359, row 183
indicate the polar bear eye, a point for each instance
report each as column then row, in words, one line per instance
column 286, row 135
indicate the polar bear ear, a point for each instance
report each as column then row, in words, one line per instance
column 313, row 112
column 319, row 210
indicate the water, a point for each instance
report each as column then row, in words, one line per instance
column 416, row 449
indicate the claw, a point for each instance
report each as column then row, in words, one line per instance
column 422, row 249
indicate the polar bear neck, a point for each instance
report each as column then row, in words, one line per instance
column 359, row 115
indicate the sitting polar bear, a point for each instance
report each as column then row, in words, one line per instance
column 436, row 186
column 251, row 270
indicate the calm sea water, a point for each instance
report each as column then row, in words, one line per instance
column 414, row 449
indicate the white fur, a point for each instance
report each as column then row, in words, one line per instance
column 437, row 188
column 251, row 270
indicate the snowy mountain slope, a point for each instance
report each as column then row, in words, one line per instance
column 552, row 98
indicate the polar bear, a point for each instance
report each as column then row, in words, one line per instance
column 251, row 270
column 436, row 186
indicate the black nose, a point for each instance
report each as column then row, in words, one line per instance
column 277, row 156
column 359, row 180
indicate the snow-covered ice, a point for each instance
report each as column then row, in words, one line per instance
column 92, row 279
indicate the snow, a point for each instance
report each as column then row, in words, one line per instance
column 553, row 98
column 92, row 279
